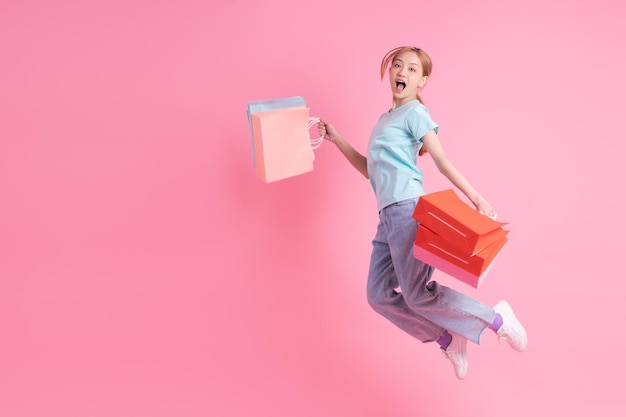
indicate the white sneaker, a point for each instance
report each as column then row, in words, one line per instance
column 511, row 330
column 457, row 353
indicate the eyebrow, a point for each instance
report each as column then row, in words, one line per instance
column 410, row 63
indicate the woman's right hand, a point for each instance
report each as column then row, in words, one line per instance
column 327, row 131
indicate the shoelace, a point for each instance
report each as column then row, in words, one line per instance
column 510, row 336
column 450, row 356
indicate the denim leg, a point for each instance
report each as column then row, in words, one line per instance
column 383, row 297
column 423, row 308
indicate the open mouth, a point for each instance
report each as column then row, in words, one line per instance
column 400, row 86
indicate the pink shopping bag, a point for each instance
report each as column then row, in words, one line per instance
column 267, row 105
column 471, row 269
column 282, row 144
column 454, row 238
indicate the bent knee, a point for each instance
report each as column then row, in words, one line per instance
column 379, row 300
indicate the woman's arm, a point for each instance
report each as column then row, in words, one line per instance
column 432, row 143
column 357, row 160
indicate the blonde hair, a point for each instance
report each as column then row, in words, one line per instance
column 425, row 61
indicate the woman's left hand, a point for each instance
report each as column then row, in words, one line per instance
column 485, row 208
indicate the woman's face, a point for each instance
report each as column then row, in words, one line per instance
column 406, row 76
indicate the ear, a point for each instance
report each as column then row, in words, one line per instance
column 423, row 82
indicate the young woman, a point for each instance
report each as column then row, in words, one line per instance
column 399, row 286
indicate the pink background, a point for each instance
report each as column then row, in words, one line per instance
column 146, row 271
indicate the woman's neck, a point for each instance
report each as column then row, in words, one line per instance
column 399, row 103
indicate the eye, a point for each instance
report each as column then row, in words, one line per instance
column 413, row 69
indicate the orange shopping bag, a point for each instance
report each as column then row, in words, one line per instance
column 447, row 215
column 455, row 238
column 282, row 144
column 439, row 253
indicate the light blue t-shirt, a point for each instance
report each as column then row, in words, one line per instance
column 392, row 153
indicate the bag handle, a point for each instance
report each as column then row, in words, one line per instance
column 317, row 142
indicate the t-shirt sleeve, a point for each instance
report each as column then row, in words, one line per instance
column 419, row 122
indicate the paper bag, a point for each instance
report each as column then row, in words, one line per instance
column 439, row 253
column 450, row 268
column 268, row 105
column 445, row 214
column 282, row 144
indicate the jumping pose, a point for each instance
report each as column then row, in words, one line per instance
column 399, row 286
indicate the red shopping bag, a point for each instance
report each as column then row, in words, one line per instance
column 456, row 239
column 448, row 216
column 439, row 253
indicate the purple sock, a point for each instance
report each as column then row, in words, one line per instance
column 496, row 323
column 444, row 340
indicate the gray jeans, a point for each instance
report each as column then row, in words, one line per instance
column 399, row 286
